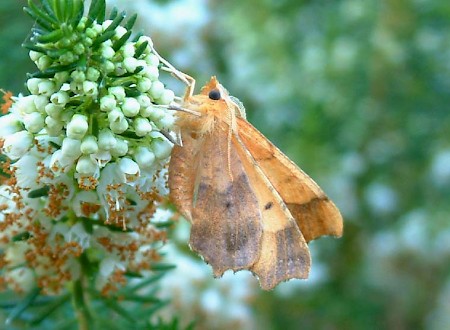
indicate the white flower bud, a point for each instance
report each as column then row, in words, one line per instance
column 34, row 56
column 129, row 167
column 53, row 110
column 79, row 48
column 167, row 121
column 128, row 49
column 17, row 144
column 144, row 157
column 46, row 87
column 106, row 139
column 40, row 101
column 43, row 62
column 130, row 64
column 120, row 149
column 107, row 103
column 25, row 104
column 90, row 88
column 118, row 92
column 76, row 87
column 156, row 114
column 152, row 60
column 53, row 126
column 77, row 127
column 9, row 124
column 105, row 25
column 144, row 101
column 130, row 107
column 167, row 97
column 108, row 66
column 60, row 98
column 89, row 145
column 86, row 165
column 119, row 69
column 119, row 127
column 68, row 57
column 92, row 74
column 120, row 31
column 157, row 89
column 148, row 111
column 32, row 85
column 33, row 122
column 144, row 84
column 151, row 72
column 107, row 52
column 71, row 148
column 61, row 77
column 115, row 115
column 142, row 126
column 78, row 76
column 161, row 148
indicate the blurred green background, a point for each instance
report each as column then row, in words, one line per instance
column 355, row 92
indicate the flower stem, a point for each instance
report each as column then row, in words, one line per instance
column 82, row 312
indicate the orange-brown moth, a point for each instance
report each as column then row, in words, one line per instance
column 249, row 205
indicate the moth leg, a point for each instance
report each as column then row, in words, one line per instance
column 183, row 77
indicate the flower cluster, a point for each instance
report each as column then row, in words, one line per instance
column 85, row 160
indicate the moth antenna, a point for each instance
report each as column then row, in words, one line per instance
column 178, row 108
column 186, row 79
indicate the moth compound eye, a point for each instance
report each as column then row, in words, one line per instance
column 214, row 94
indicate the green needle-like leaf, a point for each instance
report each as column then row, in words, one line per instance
column 52, row 307
column 140, row 50
column 145, row 283
column 103, row 37
column 119, row 310
column 119, row 43
column 53, row 36
column 95, row 11
column 162, row 266
column 23, row 305
column 78, row 11
column 42, row 14
column 130, row 23
column 116, row 22
column 59, row 7
column 42, row 23
column 48, row 9
column 113, row 13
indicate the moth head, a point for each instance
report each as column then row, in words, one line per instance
column 217, row 94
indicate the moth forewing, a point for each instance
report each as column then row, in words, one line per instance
column 284, row 253
column 226, row 220
column 314, row 212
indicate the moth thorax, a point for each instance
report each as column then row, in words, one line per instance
column 199, row 125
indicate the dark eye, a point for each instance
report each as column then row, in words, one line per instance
column 214, row 94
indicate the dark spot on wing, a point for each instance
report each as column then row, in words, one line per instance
column 268, row 206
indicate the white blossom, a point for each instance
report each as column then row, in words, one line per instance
column 17, row 144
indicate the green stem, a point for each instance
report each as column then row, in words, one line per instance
column 82, row 312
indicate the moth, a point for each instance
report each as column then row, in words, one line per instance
column 249, row 205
